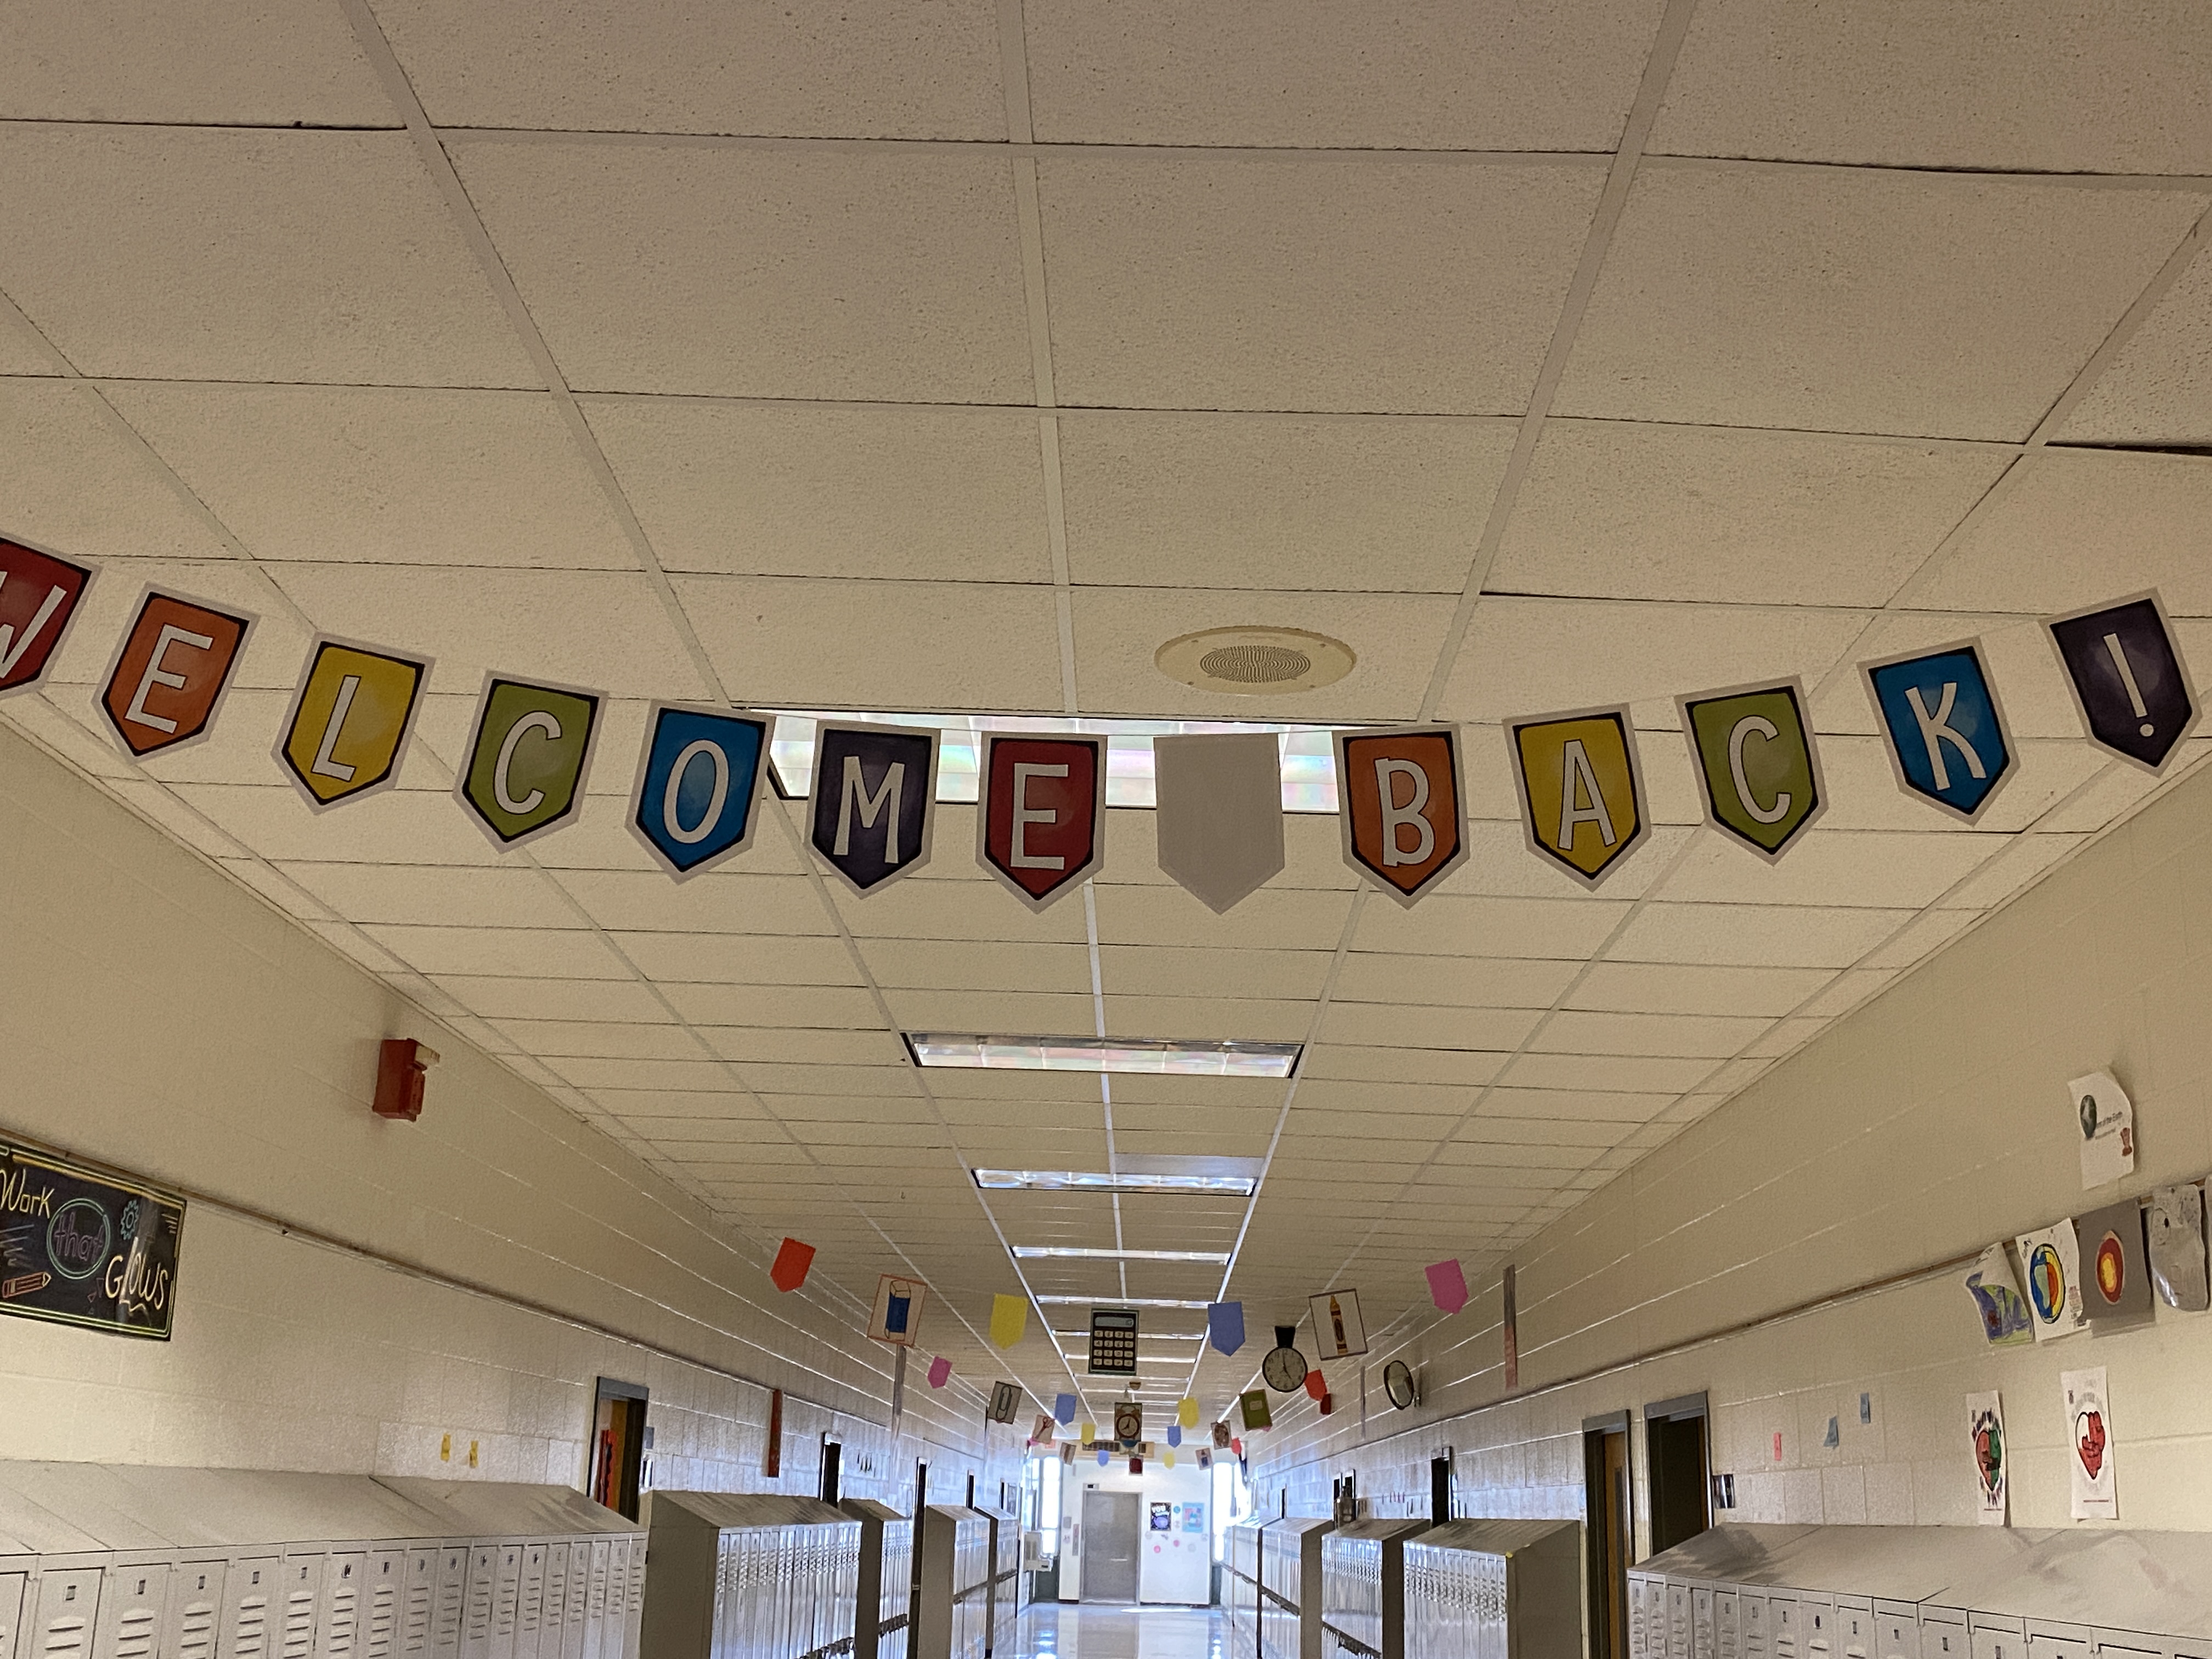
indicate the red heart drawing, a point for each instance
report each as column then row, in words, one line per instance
column 2090, row 1442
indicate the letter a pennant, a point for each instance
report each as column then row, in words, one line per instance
column 351, row 720
column 1399, row 803
column 524, row 777
column 1042, row 827
column 1581, row 792
column 2129, row 680
column 1754, row 752
column 1948, row 737
column 875, row 800
column 39, row 595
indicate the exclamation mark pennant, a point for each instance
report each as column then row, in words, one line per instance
column 2128, row 678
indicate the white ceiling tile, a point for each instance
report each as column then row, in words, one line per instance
column 777, row 490
column 2158, row 390
column 1648, row 1073
column 2024, row 859
column 434, row 897
column 739, row 959
column 2078, row 526
column 1658, row 989
column 798, row 1045
column 1546, row 76
column 1252, row 502
column 2110, row 794
column 1568, row 928
column 603, row 1039
column 894, row 68
column 1346, row 1063
column 719, row 901
column 1921, row 937
column 1617, row 511
column 385, row 476
column 78, row 485
column 1415, row 1027
column 1480, row 982
column 954, row 910
column 878, row 645
column 1848, row 991
column 396, row 826
column 889, row 276
column 1543, row 1105
column 1846, row 301
column 1252, row 1019
column 1786, row 1036
column 1760, row 936
column 1268, row 921
column 1685, row 1036
column 2074, row 86
column 1833, row 867
column 1162, row 970
column 498, row 997
column 1033, row 1013
column 1395, row 638
column 1171, row 287
column 515, row 952
column 829, row 1006
column 181, row 254
column 966, row 965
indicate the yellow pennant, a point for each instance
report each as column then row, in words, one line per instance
column 1582, row 794
column 1187, row 1414
column 1009, row 1317
column 351, row 720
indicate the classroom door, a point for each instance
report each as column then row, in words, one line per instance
column 1111, row 1538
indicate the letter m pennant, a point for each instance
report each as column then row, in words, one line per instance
column 874, row 801
column 1402, row 809
column 1948, row 737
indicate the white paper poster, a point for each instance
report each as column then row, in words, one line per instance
column 2004, row 1312
column 2051, row 1260
column 2089, row 1437
column 2104, row 1119
column 1986, row 1437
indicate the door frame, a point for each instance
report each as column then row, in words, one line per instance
column 614, row 1457
column 1697, row 1494
column 1609, row 1553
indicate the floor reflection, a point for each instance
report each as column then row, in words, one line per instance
column 1070, row 1630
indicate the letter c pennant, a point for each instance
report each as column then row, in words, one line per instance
column 1400, row 806
column 1042, row 827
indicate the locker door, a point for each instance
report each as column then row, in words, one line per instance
column 557, row 1599
column 475, row 1619
column 2051, row 1644
column 1757, row 1623
column 610, row 1637
column 530, row 1607
column 1854, row 1631
column 337, row 1620
column 11, row 1611
column 67, row 1609
column 506, row 1600
column 130, row 1611
column 1897, row 1635
column 1999, row 1641
column 1701, row 1621
column 303, row 1596
column 383, row 1597
column 1816, row 1627
column 1638, row 1639
column 595, row 1602
column 1728, row 1625
column 250, row 1588
column 1944, row 1639
column 633, row 1620
column 575, row 1608
column 1784, row 1630
column 446, row 1609
column 2110, row 1644
column 419, row 1603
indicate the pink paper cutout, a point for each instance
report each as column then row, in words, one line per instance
column 939, row 1369
column 1447, row 1284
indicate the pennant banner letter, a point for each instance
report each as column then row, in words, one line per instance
column 351, row 720
column 1041, row 830
column 1447, row 1284
column 2129, row 680
column 792, row 1261
column 1063, row 1409
column 1947, row 738
column 698, row 785
column 39, row 595
column 1399, row 803
column 1753, row 750
column 1224, row 1326
column 1186, row 1412
column 875, row 800
column 525, row 769
column 171, row 671
column 1581, row 792
column 1009, row 1317
column 1220, row 820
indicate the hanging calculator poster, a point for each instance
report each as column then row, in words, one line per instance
column 80, row 1249
column 1113, row 1342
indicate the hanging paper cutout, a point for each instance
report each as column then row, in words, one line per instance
column 39, row 594
column 1205, row 1461
column 1186, row 1412
column 1167, row 1458
column 772, row 1449
column 1219, row 823
column 898, row 1382
column 1582, row 792
column 349, row 721
column 1398, row 806
column 792, row 1261
column 2106, row 1119
column 1338, row 1331
column 896, row 1317
column 1256, row 1412
column 1040, row 1432
column 1175, row 1435
column 527, row 761
column 2177, row 1247
column 1067, row 1449
column 1237, row 1444
column 1948, row 742
column 695, row 800
column 1042, row 827
column 1063, row 1411
column 1113, row 1342
column 171, row 671
column 1005, row 1401
column 1985, row 1439
column 2004, row 1313
column 1317, row 1385
column 1128, row 1423
column 2115, row 1283
column 1105, row 1457
column 1447, row 1284
column 873, row 807
column 1010, row 1318
column 1753, row 749
column 2089, row 1439
column 1089, row 1432
column 2051, row 1262
column 1224, row 1326
column 1221, row 1435
column 2128, row 678
column 940, row 1371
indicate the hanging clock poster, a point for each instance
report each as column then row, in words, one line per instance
column 1284, row 1369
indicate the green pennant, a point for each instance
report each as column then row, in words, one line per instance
column 1754, row 753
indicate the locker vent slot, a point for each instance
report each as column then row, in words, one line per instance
column 134, row 1635
column 250, row 1637
column 338, row 1636
column 298, row 1624
column 196, row 1632
column 383, row 1621
column 64, row 1636
column 479, row 1604
column 417, row 1627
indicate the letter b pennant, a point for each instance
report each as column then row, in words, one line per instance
column 874, row 801
column 697, row 785
column 1947, row 733
column 1398, row 804
column 1754, row 752
column 1042, row 826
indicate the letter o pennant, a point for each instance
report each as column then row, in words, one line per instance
column 524, row 772
column 1400, row 806
column 1041, row 827
column 698, row 785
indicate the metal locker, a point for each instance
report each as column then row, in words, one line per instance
column 610, row 1632
column 506, row 1599
column 1896, row 1631
column 249, row 1591
column 1639, row 1639
column 576, row 1604
column 1816, row 1627
column 1728, row 1625
column 554, row 1643
column 11, row 1611
column 475, row 1618
column 1784, row 1628
column 1943, row 1634
column 634, row 1622
column 1757, row 1619
column 191, row 1622
column 2050, row 1641
column 68, row 1602
column 2110, row 1644
column 130, row 1608
column 1855, row 1632
column 1701, row 1621
column 383, row 1602
column 338, row 1620
column 303, row 1595
column 419, row 1603
column 1998, row 1638
column 595, row 1602
column 448, row 1605
column 530, row 1607
column 1678, row 1621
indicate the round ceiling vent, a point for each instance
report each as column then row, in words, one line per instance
column 1247, row 662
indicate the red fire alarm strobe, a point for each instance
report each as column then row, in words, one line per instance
column 401, row 1065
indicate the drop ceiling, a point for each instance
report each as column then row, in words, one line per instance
column 951, row 357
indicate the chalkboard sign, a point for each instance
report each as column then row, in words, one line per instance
column 80, row 1249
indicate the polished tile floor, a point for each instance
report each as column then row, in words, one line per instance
column 1070, row 1630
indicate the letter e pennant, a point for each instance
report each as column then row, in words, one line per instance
column 351, row 720
column 1398, row 804
column 171, row 671
column 1582, row 794
column 1042, row 827
column 1947, row 738
column 1754, row 752
column 875, row 800
column 2128, row 678
column 698, row 785
column 525, row 773
column 39, row 595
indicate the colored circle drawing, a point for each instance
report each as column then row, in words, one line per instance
column 2111, row 1268
column 2047, row 1282
column 77, row 1238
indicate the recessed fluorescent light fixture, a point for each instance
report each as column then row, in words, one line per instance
column 963, row 1051
column 1218, row 1258
column 1099, row 1181
column 1121, row 1301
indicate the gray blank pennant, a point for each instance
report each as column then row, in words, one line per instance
column 1220, row 820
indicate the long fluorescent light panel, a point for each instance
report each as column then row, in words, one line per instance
column 1073, row 1181
column 1120, row 1302
column 964, row 1051
column 1217, row 1258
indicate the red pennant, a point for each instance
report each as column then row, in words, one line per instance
column 1327, row 1403
column 792, row 1262
column 1316, row 1384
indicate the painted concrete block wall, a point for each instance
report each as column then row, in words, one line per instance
column 1920, row 1127
column 156, row 1016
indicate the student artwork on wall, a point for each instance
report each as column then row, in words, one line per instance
column 170, row 672
column 2129, row 681
column 2089, row 1445
column 350, row 721
column 2004, row 1313
column 39, row 596
column 1400, row 807
column 1985, row 1442
column 1946, row 731
column 2105, row 1118
column 2115, row 1282
column 2175, row 1223
column 1582, row 794
column 1042, row 827
column 1753, row 753
column 2050, row 1261
column 874, row 801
